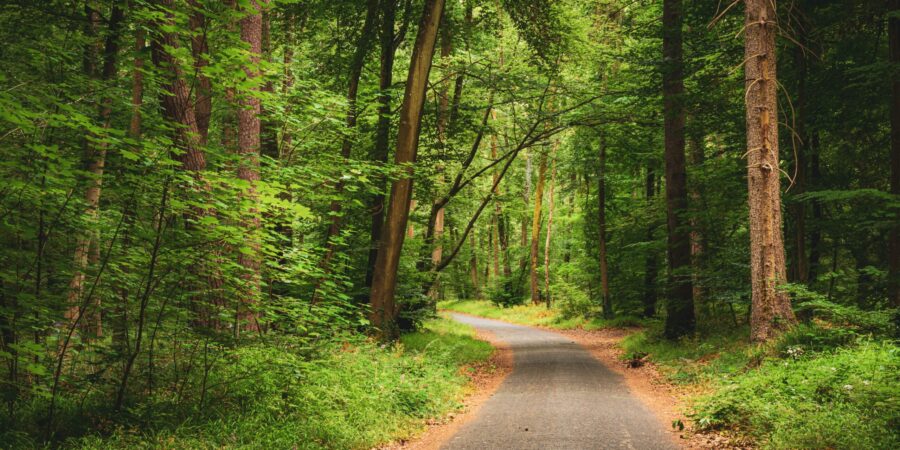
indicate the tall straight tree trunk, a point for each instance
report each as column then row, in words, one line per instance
column 651, row 263
column 601, row 225
column 383, row 314
column 383, row 127
column 95, row 161
column 548, row 240
column 356, row 66
column 894, row 36
column 248, row 167
column 698, row 238
column 200, row 52
column 536, row 229
column 527, row 197
column 771, row 311
column 502, row 237
column 799, row 263
column 679, row 301
column 473, row 265
column 815, row 235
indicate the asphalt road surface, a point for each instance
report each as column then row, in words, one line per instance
column 557, row 397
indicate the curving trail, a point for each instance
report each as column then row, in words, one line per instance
column 558, row 396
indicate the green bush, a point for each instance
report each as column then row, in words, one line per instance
column 509, row 290
column 572, row 301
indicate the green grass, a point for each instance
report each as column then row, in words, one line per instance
column 845, row 399
column 793, row 393
column 535, row 315
column 355, row 395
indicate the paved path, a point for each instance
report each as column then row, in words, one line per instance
column 557, row 397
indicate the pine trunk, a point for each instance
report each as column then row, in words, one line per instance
column 771, row 311
column 248, row 168
column 679, row 301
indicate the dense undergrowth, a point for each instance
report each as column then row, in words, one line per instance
column 354, row 394
column 831, row 382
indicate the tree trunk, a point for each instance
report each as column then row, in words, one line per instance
column 548, row 240
column 799, row 270
column 95, row 162
column 771, row 311
column 383, row 315
column 894, row 37
column 651, row 264
column 815, row 235
column 679, row 301
column 698, row 238
column 601, row 225
column 383, row 128
column 200, row 53
column 248, row 168
column 356, row 66
column 536, row 229
column 473, row 266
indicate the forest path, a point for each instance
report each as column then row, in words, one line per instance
column 558, row 396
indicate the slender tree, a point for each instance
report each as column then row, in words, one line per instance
column 894, row 37
column 606, row 301
column 536, row 228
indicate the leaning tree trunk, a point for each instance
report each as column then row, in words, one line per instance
column 894, row 36
column 771, row 311
column 383, row 314
column 680, row 301
column 248, row 168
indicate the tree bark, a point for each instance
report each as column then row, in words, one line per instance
column 606, row 301
column 356, row 66
column 771, row 311
column 95, row 162
column 679, row 301
column 548, row 239
column 383, row 127
column 383, row 314
column 248, row 168
column 536, row 229
column 894, row 37
column 651, row 263
column 200, row 53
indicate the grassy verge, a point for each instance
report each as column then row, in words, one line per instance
column 535, row 315
column 790, row 394
column 355, row 395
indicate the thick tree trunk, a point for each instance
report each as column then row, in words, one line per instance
column 248, row 168
column 771, row 311
column 606, row 301
column 894, row 36
column 679, row 301
column 200, row 53
column 383, row 127
column 536, row 229
column 383, row 314
column 651, row 263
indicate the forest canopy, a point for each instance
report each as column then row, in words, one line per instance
column 194, row 193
